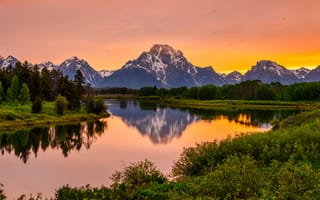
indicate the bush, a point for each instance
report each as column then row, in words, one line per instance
column 61, row 104
column 87, row 192
column 95, row 106
column 37, row 105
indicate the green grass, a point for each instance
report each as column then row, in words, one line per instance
column 20, row 115
column 241, row 104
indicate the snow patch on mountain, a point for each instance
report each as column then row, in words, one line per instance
column 268, row 72
column 49, row 65
column 9, row 61
column 71, row 65
column 105, row 73
column 301, row 73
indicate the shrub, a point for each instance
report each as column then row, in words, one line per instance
column 61, row 104
column 37, row 105
column 95, row 106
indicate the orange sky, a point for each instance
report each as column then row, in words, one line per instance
column 226, row 34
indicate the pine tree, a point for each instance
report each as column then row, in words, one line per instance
column 15, row 87
column 24, row 96
column 79, row 89
column 35, row 86
column 9, row 96
column 45, row 81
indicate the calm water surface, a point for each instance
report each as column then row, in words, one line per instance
column 42, row 159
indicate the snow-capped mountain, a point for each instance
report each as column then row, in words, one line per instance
column 162, row 66
column 49, row 65
column 10, row 60
column 105, row 73
column 233, row 78
column 301, row 73
column 71, row 65
column 268, row 71
column 313, row 75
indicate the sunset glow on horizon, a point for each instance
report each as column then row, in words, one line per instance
column 225, row 34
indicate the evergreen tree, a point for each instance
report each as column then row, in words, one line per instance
column 45, row 81
column 79, row 90
column 35, row 83
column 24, row 96
column 9, row 96
column 15, row 87
column 1, row 92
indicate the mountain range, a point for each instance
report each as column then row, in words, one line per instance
column 163, row 66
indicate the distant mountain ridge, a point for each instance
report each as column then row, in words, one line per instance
column 163, row 66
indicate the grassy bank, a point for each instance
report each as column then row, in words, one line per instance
column 12, row 116
column 233, row 104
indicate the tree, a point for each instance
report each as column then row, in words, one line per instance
column 15, row 87
column 35, row 83
column 9, row 96
column 79, row 90
column 45, row 81
column 24, row 96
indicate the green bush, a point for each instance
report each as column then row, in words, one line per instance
column 87, row 192
column 37, row 105
column 96, row 106
column 61, row 104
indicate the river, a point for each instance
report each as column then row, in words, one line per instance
column 42, row 159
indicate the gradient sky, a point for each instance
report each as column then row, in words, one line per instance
column 226, row 34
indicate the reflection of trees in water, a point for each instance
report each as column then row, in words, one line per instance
column 61, row 137
column 254, row 118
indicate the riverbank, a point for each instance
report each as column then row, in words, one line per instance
column 228, row 104
column 14, row 116
column 241, row 104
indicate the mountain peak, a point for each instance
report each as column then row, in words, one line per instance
column 233, row 77
column 74, row 58
column 268, row 71
column 10, row 60
column 164, row 49
column 267, row 65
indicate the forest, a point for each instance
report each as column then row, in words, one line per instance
column 247, row 90
column 22, row 84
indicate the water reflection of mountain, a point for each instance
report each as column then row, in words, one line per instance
column 66, row 138
column 161, row 123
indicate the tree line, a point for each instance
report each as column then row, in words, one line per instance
column 22, row 84
column 247, row 90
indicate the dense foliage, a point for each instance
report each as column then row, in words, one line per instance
column 21, row 83
column 247, row 90
column 96, row 106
